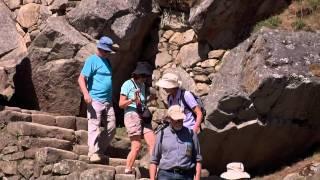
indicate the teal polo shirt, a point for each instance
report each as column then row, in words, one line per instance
column 98, row 73
column 128, row 89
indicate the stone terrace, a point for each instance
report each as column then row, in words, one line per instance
column 38, row 145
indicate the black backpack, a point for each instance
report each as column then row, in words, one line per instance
column 186, row 105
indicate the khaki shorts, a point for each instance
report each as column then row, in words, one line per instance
column 134, row 125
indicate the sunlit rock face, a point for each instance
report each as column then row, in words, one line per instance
column 263, row 105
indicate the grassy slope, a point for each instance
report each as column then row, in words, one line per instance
column 300, row 15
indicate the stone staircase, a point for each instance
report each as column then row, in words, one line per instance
column 38, row 145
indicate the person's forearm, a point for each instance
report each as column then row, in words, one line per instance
column 198, row 171
column 198, row 116
column 83, row 85
column 152, row 171
column 125, row 103
column 198, row 120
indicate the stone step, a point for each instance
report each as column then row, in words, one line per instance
column 39, row 130
column 33, row 142
column 97, row 173
column 52, row 155
column 67, row 167
column 121, row 162
column 31, row 145
column 13, row 114
column 125, row 177
column 135, row 171
column 81, row 137
column 110, row 161
column 80, row 149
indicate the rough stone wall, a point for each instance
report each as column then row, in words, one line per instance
column 39, row 145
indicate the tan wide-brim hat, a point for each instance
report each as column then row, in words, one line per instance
column 168, row 81
column 235, row 170
column 175, row 112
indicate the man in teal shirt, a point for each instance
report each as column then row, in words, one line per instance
column 95, row 82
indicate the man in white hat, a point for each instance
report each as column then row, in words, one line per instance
column 178, row 96
column 176, row 151
column 235, row 170
column 95, row 81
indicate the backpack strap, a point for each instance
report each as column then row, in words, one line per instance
column 186, row 105
column 161, row 136
column 136, row 86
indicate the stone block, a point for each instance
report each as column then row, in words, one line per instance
column 125, row 177
column 10, row 149
column 30, row 153
column 13, row 157
column 84, row 158
column 80, row 149
column 81, row 137
column 68, row 122
column 43, row 119
column 13, row 116
column 121, row 169
column 25, row 168
column 216, row 54
column 16, row 109
column 121, row 162
column 30, row 142
column 66, row 167
column 9, row 167
column 52, row 155
column 107, row 167
column 81, row 123
column 6, row 139
column 39, row 130
column 47, row 169
column 98, row 173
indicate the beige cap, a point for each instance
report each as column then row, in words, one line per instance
column 175, row 112
column 235, row 170
column 168, row 81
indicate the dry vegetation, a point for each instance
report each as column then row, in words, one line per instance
column 300, row 15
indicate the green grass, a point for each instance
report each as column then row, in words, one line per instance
column 271, row 22
column 298, row 24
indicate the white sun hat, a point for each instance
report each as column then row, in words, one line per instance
column 235, row 170
column 168, row 81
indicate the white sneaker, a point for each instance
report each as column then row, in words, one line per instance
column 95, row 158
column 127, row 171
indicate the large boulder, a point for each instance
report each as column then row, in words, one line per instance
column 264, row 104
column 12, row 48
column 9, row 37
column 224, row 23
column 54, row 72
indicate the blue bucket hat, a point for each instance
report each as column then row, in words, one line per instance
column 105, row 43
